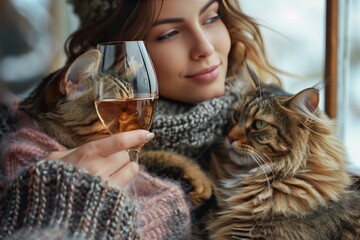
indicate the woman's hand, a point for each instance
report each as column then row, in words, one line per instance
column 107, row 157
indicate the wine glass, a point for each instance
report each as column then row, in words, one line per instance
column 126, row 90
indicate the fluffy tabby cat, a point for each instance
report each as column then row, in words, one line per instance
column 63, row 107
column 283, row 173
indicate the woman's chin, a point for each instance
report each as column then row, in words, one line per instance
column 195, row 97
column 210, row 95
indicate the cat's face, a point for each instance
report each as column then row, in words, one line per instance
column 268, row 126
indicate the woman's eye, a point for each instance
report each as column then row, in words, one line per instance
column 168, row 35
column 212, row 19
column 259, row 124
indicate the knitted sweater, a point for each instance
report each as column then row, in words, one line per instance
column 39, row 196
column 52, row 195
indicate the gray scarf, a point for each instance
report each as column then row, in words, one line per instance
column 190, row 129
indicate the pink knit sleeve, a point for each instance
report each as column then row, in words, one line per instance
column 164, row 212
column 25, row 146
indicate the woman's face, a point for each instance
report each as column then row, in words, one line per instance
column 189, row 46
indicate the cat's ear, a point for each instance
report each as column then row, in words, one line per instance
column 306, row 101
column 249, row 80
column 254, row 78
column 77, row 77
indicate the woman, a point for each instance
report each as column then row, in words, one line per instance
column 198, row 48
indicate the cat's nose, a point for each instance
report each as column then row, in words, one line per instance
column 231, row 139
column 235, row 134
column 239, row 139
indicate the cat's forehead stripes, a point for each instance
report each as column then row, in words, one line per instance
column 249, row 122
column 254, row 108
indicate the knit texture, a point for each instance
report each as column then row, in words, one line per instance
column 163, row 213
column 41, row 234
column 190, row 129
column 92, row 11
column 162, row 206
column 54, row 195
column 25, row 145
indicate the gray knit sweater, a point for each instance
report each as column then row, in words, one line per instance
column 101, row 212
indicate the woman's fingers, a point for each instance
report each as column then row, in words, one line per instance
column 122, row 141
column 99, row 150
column 58, row 154
column 125, row 174
column 107, row 157
column 117, row 168
column 115, row 162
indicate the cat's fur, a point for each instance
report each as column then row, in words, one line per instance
column 63, row 107
column 282, row 174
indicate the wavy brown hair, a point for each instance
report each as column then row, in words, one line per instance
column 125, row 24
column 246, row 42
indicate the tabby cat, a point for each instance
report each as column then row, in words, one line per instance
column 63, row 107
column 282, row 173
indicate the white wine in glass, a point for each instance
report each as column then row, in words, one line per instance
column 126, row 90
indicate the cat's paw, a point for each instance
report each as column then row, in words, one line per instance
column 170, row 165
column 201, row 186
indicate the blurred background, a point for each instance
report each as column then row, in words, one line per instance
column 33, row 33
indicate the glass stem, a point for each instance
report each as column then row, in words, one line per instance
column 134, row 154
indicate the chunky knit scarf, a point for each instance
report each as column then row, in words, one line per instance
column 190, row 129
column 163, row 210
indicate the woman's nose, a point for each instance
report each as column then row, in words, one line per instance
column 201, row 46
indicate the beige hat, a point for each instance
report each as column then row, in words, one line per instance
column 92, row 11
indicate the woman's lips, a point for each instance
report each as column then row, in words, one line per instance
column 206, row 75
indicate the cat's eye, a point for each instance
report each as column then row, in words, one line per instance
column 234, row 116
column 259, row 124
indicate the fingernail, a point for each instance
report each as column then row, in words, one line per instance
column 149, row 136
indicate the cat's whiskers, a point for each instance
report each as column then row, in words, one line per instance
column 296, row 155
column 308, row 128
column 264, row 218
column 269, row 166
column 258, row 159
